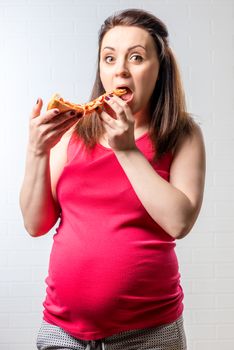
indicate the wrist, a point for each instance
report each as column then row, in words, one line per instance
column 127, row 152
column 35, row 152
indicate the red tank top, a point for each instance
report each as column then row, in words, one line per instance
column 112, row 268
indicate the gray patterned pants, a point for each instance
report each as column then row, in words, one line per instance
column 166, row 337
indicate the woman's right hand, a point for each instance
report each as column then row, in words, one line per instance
column 46, row 130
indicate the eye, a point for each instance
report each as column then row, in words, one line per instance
column 108, row 59
column 136, row 58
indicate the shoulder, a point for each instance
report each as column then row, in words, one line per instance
column 189, row 156
column 192, row 143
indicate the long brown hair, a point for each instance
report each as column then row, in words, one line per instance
column 170, row 121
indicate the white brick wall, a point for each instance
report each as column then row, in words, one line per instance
column 50, row 46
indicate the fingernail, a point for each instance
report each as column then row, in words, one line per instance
column 107, row 98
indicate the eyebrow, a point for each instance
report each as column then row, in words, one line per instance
column 130, row 48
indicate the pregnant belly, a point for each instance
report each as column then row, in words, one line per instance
column 97, row 279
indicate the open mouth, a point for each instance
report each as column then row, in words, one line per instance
column 128, row 96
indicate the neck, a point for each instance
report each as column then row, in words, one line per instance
column 140, row 130
column 142, row 119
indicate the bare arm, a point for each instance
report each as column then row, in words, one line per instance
column 39, row 206
column 39, row 209
column 175, row 205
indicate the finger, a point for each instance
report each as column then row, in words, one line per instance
column 36, row 108
column 109, row 131
column 69, row 114
column 58, row 131
column 108, row 120
column 54, row 116
column 126, row 108
column 119, row 107
column 66, row 125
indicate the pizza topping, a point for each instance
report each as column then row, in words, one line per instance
column 128, row 94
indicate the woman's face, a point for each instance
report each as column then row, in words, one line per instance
column 128, row 58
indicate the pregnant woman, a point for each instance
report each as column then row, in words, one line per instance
column 125, row 182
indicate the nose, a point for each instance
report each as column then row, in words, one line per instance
column 121, row 69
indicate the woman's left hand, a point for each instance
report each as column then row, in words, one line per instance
column 119, row 129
